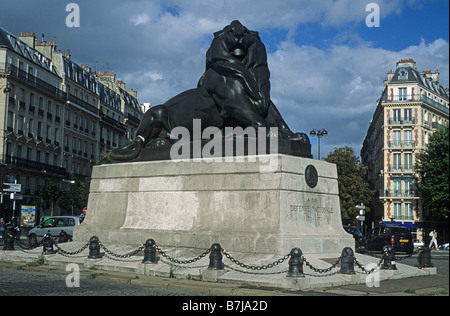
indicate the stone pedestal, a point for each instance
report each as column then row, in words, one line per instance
column 254, row 204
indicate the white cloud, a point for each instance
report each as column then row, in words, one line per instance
column 140, row 19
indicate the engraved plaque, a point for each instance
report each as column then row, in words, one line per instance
column 311, row 176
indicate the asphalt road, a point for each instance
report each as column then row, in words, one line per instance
column 31, row 283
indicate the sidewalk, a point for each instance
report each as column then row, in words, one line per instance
column 235, row 280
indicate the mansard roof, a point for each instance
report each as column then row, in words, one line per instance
column 407, row 74
column 14, row 44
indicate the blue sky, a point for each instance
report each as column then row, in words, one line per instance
column 327, row 67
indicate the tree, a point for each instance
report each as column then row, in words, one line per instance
column 72, row 197
column 353, row 188
column 433, row 169
column 50, row 196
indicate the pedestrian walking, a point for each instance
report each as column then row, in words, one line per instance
column 433, row 236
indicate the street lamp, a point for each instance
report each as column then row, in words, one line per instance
column 319, row 133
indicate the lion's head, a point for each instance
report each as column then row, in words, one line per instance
column 236, row 43
column 236, row 46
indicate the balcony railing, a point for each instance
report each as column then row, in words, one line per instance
column 398, row 193
column 401, row 168
column 34, row 166
column 32, row 80
column 415, row 98
column 410, row 121
column 402, row 144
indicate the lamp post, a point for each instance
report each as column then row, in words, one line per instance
column 319, row 133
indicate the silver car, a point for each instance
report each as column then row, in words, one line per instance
column 52, row 226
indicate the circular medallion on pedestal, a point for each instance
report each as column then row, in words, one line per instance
column 311, row 176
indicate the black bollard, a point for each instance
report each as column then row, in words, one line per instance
column 347, row 261
column 94, row 248
column 388, row 258
column 424, row 257
column 215, row 258
column 63, row 237
column 150, row 252
column 9, row 238
column 296, row 264
column 47, row 244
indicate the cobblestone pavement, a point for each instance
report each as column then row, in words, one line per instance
column 30, row 283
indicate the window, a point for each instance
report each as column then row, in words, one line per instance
column 408, row 211
column 397, row 162
column 396, row 113
column 402, row 96
column 31, row 126
column 40, row 130
column 397, row 187
column 41, row 103
column 56, row 135
column 49, row 132
column 397, row 141
column 407, row 117
column 31, row 99
column 408, row 138
column 409, row 187
column 403, row 74
column 408, row 162
column 397, row 210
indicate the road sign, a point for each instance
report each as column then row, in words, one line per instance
column 361, row 218
column 13, row 187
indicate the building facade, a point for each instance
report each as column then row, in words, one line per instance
column 412, row 106
column 57, row 117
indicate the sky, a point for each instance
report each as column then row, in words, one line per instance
column 327, row 65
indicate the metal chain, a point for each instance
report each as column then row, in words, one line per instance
column 165, row 255
column 252, row 267
column 255, row 273
column 321, row 270
column 23, row 245
column 127, row 255
column 73, row 253
column 171, row 263
column 364, row 269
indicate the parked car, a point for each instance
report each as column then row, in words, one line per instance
column 52, row 226
column 360, row 240
column 383, row 235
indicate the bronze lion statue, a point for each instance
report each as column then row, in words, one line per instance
column 233, row 91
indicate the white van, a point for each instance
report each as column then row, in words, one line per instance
column 52, row 226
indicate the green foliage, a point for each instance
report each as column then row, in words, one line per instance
column 433, row 168
column 66, row 196
column 353, row 188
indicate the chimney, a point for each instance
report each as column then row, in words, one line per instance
column 121, row 84
column 132, row 92
column 28, row 38
column 46, row 48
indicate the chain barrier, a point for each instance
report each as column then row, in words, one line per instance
column 181, row 262
column 118, row 257
column 254, row 267
column 249, row 269
column 71, row 254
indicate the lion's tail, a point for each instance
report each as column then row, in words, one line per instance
column 129, row 151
